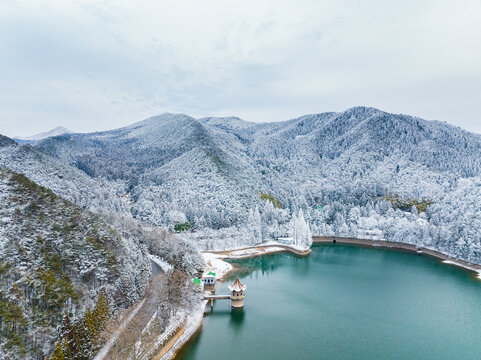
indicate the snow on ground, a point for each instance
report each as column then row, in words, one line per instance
column 164, row 265
column 175, row 324
column 300, row 248
column 238, row 254
column 214, row 263
column 464, row 266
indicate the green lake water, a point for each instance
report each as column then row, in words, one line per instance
column 346, row 302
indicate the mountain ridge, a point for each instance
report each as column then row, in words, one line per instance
column 211, row 172
column 259, row 157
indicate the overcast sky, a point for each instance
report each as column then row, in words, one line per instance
column 96, row 65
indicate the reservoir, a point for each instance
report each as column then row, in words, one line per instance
column 345, row 302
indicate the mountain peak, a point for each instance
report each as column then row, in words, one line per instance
column 159, row 120
column 229, row 123
column 54, row 132
column 362, row 111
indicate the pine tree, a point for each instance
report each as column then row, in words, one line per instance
column 257, row 225
column 101, row 312
column 91, row 324
column 58, row 353
column 86, row 341
column 301, row 232
column 68, row 351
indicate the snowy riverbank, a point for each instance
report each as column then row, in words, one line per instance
column 192, row 325
column 257, row 250
column 214, row 260
column 456, row 263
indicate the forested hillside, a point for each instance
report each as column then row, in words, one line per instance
column 65, row 271
column 56, row 259
column 217, row 182
column 66, row 181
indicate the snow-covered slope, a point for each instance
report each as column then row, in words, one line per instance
column 55, row 258
column 66, row 181
column 366, row 151
column 167, row 157
column 5, row 141
column 354, row 173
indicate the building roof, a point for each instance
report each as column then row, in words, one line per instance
column 237, row 286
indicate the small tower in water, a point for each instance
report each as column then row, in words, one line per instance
column 237, row 294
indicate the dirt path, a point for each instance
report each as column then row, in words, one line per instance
column 169, row 344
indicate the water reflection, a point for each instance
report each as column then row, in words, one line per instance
column 223, row 310
column 253, row 266
column 236, row 319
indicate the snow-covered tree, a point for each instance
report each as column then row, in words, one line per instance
column 300, row 230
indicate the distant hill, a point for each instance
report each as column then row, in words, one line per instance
column 5, row 141
column 169, row 156
column 32, row 140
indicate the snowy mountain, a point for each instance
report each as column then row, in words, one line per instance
column 364, row 151
column 65, row 270
column 174, row 170
column 219, row 182
column 225, row 163
column 5, row 141
column 36, row 138
column 171, row 157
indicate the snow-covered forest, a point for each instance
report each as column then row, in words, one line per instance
column 212, row 173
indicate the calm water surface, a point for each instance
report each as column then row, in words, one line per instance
column 346, row 302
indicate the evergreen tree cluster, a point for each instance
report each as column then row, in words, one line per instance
column 79, row 340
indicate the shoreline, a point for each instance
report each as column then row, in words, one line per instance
column 258, row 250
column 274, row 248
column 399, row 246
column 214, row 259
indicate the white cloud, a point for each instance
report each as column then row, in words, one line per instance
column 91, row 65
